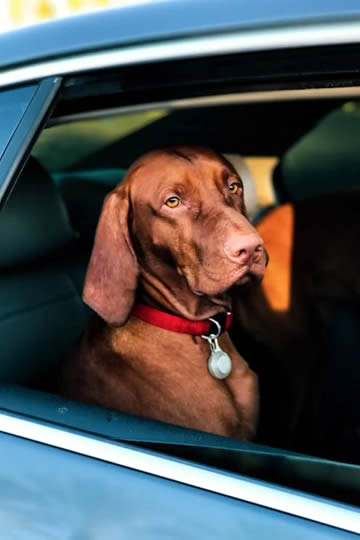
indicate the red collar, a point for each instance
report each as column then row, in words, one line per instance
column 178, row 324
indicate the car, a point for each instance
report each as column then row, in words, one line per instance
column 270, row 85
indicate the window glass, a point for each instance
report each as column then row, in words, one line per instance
column 13, row 104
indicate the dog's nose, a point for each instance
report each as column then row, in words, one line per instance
column 244, row 249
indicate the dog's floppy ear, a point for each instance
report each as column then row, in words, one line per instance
column 112, row 274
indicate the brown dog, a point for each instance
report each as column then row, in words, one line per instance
column 175, row 237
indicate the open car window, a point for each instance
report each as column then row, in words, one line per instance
column 48, row 228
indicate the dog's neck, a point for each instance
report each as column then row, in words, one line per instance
column 177, row 298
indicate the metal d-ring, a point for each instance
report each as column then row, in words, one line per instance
column 213, row 336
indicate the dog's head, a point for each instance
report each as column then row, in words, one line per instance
column 178, row 215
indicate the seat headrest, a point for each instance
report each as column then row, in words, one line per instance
column 325, row 159
column 34, row 222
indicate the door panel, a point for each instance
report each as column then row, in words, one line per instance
column 46, row 493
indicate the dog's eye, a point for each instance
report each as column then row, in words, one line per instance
column 234, row 188
column 173, row 202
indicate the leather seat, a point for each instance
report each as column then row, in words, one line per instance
column 42, row 269
column 83, row 193
column 326, row 159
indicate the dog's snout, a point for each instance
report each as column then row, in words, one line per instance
column 244, row 248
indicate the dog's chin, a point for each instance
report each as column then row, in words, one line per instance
column 243, row 280
column 247, row 276
column 250, row 279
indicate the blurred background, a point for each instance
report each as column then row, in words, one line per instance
column 17, row 13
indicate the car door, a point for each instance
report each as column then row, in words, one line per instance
column 59, row 482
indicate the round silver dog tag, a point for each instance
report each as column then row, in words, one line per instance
column 219, row 364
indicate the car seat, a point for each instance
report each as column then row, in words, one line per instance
column 42, row 270
column 324, row 160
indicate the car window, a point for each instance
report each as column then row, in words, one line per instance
column 74, row 166
column 23, row 111
column 13, row 104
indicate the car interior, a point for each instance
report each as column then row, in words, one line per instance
column 47, row 229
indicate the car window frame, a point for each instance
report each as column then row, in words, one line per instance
column 21, row 138
column 262, row 493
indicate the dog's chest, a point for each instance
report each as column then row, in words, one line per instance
column 167, row 376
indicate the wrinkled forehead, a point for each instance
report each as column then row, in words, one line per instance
column 194, row 168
